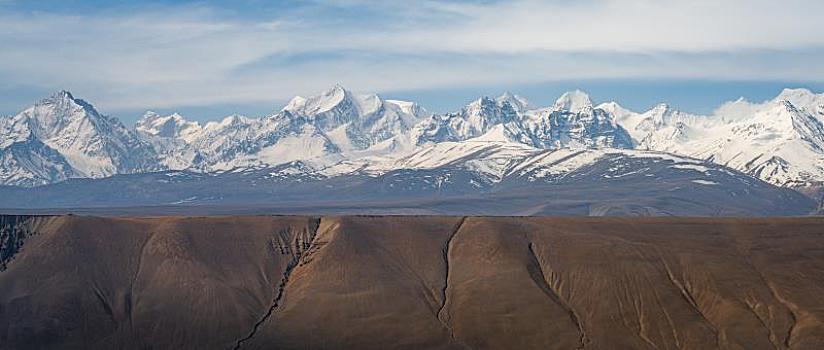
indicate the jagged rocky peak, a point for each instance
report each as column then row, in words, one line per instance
column 775, row 113
column 482, row 103
column 804, row 99
column 76, row 129
column 486, row 112
column 52, row 114
column 351, row 120
column 519, row 103
column 61, row 100
column 573, row 101
column 332, row 108
column 88, row 143
column 661, row 112
column 341, row 102
column 472, row 120
column 784, row 115
column 62, row 95
column 65, row 101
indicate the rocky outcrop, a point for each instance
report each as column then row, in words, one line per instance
column 14, row 231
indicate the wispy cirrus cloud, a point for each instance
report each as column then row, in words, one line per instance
column 165, row 55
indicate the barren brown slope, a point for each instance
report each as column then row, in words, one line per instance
column 415, row 282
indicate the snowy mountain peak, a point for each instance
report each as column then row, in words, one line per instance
column 76, row 140
column 615, row 109
column 490, row 111
column 295, row 104
column 799, row 121
column 662, row 108
column 52, row 115
column 62, row 105
column 320, row 103
column 60, row 95
column 482, row 102
column 795, row 94
column 336, row 93
column 234, row 119
column 780, row 140
column 573, row 101
column 171, row 126
column 148, row 115
column 518, row 103
column 664, row 113
column 62, row 98
column 410, row 108
column 474, row 120
column 338, row 87
column 368, row 104
column 337, row 106
column 804, row 99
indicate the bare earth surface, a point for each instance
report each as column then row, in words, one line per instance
column 290, row 282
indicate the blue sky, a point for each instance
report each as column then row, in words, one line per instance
column 207, row 59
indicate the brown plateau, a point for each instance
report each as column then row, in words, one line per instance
column 263, row 282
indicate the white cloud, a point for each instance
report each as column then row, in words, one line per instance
column 193, row 56
column 631, row 25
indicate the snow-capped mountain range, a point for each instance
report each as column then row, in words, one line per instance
column 337, row 132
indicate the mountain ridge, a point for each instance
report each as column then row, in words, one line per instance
column 780, row 141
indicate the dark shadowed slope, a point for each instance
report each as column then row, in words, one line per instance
column 613, row 185
column 413, row 282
